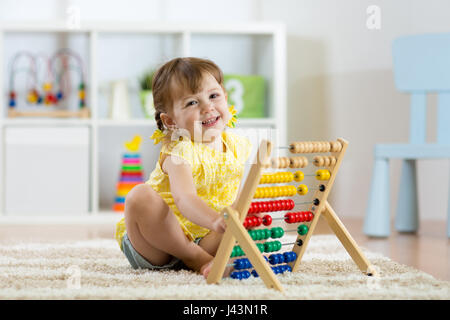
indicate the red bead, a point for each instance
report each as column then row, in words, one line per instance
column 258, row 221
column 289, row 218
column 12, row 95
column 251, row 208
column 245, row 223
column 260, row 208
column 310, row 216
column 301, row 216
column 269, row 206
column 267, row 220
column 264, row 207
column 275, row 206
column 291, row 204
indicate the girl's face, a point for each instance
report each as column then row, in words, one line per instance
column 203, row 114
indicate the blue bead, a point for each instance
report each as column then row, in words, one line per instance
column 237, row 263
column 59, row 95
column 12, row 103
column 245, row 274
column 272, row 259
column 255, row 274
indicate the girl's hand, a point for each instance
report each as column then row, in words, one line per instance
column 219, row 225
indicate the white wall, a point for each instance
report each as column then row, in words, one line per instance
column 340, row 80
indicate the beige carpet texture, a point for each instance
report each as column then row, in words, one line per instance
column 97, row 269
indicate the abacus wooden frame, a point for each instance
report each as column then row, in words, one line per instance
column 234, row 218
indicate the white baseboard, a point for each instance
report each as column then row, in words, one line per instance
column 103, row 217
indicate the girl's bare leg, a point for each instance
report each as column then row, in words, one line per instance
column 211, row 243
column 155, row 232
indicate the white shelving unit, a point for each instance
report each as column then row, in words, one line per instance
column 172, row 39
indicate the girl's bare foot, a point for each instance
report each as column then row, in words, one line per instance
column 206, row 268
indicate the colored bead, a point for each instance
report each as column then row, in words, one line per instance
column 255, row 274
column 302, row 189
column 323, row 174
column 47, row 86
column 59, row 95
column 291, row 204
column 261, row 247
column 81, row 94
column 267, row 220
column 81, row 86
column 322, row 188
column 316, row 202
column 302, row 229
column 299, row 176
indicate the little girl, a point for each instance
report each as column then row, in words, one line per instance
column 173, row 220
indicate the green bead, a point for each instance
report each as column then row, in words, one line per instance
column 259, row 234
column 251, row 234
column 302, row 229
column 240, row 251
column 277, row 245
column 81, row 86
column 260, row 247
column 268, row 246
column 267, row 234
column 233, row 252
column 279, row 232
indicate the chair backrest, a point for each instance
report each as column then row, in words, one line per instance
column 422, row 66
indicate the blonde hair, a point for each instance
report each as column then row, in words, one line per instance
column 177, row 76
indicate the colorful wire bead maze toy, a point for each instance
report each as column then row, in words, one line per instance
column 244, row 223
column 54, row 91
column 130, row 174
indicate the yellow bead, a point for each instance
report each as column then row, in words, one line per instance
column 275, row 193
column 299, row 176
column 323, row 174
column 32, row 98
column 290, row 176
column 47, row 86
column 81, row 94
column 271, row 193
column 302, row 189
column 292, row 190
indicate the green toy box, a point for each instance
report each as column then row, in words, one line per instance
column 247, row 93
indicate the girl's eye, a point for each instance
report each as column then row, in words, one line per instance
column 214, row 95
column 191, row 103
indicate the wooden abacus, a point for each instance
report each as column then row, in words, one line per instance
column 237, row 220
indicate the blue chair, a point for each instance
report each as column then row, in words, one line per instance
column 421, row 66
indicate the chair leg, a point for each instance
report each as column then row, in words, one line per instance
column 377, row 222
column 407, row 217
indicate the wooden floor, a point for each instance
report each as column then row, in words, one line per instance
column 428, row 250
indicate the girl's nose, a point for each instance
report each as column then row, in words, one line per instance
column 207, row 106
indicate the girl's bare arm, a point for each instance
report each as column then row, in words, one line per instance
column 185, row 195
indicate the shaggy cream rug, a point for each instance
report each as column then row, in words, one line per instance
column 96, row 269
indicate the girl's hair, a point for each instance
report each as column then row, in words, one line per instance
column 176, row 77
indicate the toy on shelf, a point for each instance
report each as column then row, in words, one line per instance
column 245, row 224
column 131, row 172
column 54, row 89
